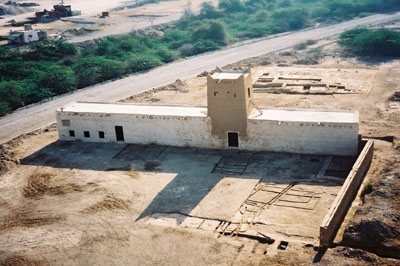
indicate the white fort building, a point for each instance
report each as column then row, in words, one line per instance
column 230, row 120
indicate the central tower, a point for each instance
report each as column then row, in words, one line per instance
column 229, row 101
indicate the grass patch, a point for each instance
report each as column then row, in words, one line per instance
column 367, row 189
column 39, row 184
column 110, row 202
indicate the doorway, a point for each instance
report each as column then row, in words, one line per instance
column 233, row 140
column 119, row 132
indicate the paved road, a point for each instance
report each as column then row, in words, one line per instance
column 37, row 116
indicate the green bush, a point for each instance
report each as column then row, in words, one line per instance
column 142, row 62
column 50, row 50
column 213, row 31
column 231, row 6
column 58, row 79
column 363, row 41
column 205, row 46
column 166, row 55
column 4, row 108
column 95, row 69
column 208, row 11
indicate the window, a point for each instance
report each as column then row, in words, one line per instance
column 215, row 93
column 72, row 133
column 86, row 134
column 65, row 123
column 248, row 91
column 101, row 134
column 234, row 95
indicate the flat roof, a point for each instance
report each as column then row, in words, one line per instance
column 308, row 115
column 139, row 109
column 293, row 115
column 228, row 74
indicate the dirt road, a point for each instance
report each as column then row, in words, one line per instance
column 34, row 117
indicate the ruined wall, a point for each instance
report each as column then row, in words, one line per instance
column 302, row 137
column 347, row 193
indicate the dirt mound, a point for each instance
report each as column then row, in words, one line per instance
column 39, row 185
column 7, row 159
column 22, row 261
column 376, row 224
column 8, row 150
column 110, row 202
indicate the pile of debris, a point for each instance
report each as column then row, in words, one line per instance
column 58, row 12
column 28, row 35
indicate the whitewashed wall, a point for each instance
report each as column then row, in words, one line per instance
column 141, row 129
column 263, row 135
column 302, row 137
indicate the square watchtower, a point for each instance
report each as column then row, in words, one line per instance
column 229, row 100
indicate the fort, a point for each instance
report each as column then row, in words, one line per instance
column 231, row 120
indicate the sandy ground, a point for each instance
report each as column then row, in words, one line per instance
column 84, row 203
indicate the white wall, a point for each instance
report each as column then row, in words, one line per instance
column 302, row 137
column 30, row 36
column 263, row 135
column 141, row 129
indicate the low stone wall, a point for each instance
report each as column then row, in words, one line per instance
column 347, row 193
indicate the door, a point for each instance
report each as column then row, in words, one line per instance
column 119, row 132
column 233, row 139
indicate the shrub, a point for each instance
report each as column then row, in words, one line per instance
column 367, row 189
column 95, row 69
column 290, row 19
column 363, row 41
column 213, row 31
column 205, row 46
column 166, row 55
column 231, row 6
column 142, row 62
column 209, row 11
column 4, row 108
column 187, row 50
column 58, row 79
column 50, row 50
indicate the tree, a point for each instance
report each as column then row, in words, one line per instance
column 231, row 6
column 213, row 31
column 209, row 11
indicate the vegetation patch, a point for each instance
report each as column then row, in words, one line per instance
column 362, row 41
column 22, row 261
column 367, row 189
column 39, row 184
column 27, row 217
column 110, row 202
